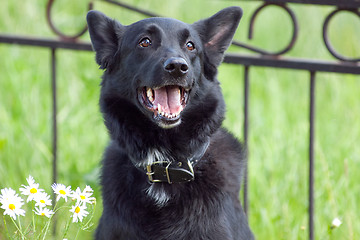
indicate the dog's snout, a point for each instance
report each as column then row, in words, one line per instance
column 176, row 66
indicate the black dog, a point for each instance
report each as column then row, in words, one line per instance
column 170, row 171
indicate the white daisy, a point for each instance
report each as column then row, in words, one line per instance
column 84, row 196
column 32, row 190
column 79, row 212
column 62, row 191
column 336, row 223
column 11, row 203
column 42, row 200
column 43, row 212
column 5, row 193
column 88, row 189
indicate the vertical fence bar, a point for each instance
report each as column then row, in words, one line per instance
column 54, row 123
column 54, row 111
column 246, row 131
column 311, row 156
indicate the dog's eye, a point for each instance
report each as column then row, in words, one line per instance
column 145, row 42
column 190, row 46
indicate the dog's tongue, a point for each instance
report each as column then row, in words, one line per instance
column 169, row 99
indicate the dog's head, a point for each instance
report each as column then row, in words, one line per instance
column 160, row 65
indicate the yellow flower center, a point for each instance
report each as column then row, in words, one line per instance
column 42, row 201
column 42, row 214
column 82, row 197
column 33, row 190
column 62, row 192
column 77, row 209
column 11, row 206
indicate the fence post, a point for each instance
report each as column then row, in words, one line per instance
column 246, row 132
column 54, row 124
column 311, row 155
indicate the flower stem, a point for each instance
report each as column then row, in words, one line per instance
column 7, row 231
column 88, row 223
column 77, row 233
column 22, row 235
column 33, row 220
column 46, row 228
column 67, row 226
column 18, row 228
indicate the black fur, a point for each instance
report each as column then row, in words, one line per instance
column 207, row 207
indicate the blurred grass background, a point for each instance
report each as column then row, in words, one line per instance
column 279, row 99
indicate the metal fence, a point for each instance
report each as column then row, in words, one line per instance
column 263, row 58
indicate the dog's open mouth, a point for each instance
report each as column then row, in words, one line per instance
column 165, row 102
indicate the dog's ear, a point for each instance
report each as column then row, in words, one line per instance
column 217, row 32
column 105, row 35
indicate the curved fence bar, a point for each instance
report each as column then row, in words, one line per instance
column 132, row 8
column 338, row 3
column 61, row 35
column 326, row 36
column 251, row 28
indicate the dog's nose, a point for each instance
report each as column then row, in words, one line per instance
column 176, row 66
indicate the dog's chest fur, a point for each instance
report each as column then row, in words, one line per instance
column 207, row 208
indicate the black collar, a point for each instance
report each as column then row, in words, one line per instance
column 175, row 171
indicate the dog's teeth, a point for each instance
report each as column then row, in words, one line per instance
column 159, row 109
column 149, row 94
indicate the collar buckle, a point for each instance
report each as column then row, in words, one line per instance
column 171, row 173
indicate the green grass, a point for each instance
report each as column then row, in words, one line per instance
column 279, row 99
